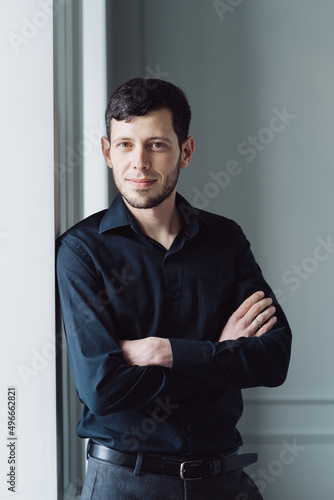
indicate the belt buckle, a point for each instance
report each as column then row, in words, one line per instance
column 183, row 470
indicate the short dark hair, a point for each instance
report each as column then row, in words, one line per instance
column 139, row 96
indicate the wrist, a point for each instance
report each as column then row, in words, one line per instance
column 164, row 356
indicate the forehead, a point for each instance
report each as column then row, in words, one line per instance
column 156, row 123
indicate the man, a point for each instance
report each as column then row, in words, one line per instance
column 167, row 317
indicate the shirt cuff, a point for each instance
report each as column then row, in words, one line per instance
column 190, row 354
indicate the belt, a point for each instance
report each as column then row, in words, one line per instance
column 171, row 466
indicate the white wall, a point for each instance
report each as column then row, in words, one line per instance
column 27, row 354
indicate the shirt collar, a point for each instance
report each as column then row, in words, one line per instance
column 115, row 216
column 191, row 216
column 118, row 215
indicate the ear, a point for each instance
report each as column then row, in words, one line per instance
column 187, row 151
column 105, row 144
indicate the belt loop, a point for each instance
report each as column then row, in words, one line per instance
column 139, row 461
column 215, row 467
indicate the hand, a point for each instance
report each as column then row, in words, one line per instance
column 150, row 351
column 242, row 322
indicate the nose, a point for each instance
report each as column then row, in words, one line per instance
column 141, row 159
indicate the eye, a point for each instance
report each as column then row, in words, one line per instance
column 158, row 145
column 124, row 145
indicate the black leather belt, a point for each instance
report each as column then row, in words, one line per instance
column 171, row 466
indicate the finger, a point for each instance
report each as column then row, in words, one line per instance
column 257, row 309
column 248, row 304
column 266, row 315
column 266, row 327
column 261, row 319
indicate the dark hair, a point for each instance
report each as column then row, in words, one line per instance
column 139, row 96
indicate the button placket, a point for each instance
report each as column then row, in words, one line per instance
column 171, row 280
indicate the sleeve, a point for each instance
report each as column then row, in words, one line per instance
column 105, row 383
column 245, row 362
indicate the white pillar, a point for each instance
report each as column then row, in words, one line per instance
column 94, row 104
column 27, row 354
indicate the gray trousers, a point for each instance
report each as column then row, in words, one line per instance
column 106, row 481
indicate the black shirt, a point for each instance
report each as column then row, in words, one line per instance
column 117, row 283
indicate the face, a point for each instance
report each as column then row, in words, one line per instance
column 145, row 158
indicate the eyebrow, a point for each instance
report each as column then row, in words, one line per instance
column 160, row 138
column 156, row 138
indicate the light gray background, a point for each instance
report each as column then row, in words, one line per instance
column 236, row 68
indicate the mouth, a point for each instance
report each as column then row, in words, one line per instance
column 141, row 183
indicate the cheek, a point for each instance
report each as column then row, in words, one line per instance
column 166, row 163
column 119, row 166
column 120, row 173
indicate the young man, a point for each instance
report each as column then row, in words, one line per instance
column 167, row 317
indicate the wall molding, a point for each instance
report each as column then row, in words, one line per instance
column 273, row 420
column 264, row 438
column 290, row 400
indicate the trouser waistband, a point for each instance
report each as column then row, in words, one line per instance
column 183, row 467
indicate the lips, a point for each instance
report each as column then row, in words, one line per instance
column 141, row 183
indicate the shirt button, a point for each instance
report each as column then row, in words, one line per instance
column 173, row 296
column 189, row 429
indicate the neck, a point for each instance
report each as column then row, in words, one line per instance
column 162, row 223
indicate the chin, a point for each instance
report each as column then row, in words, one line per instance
column 142, row 202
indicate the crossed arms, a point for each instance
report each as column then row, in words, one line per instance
column 156, row 351
column 113, row 375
